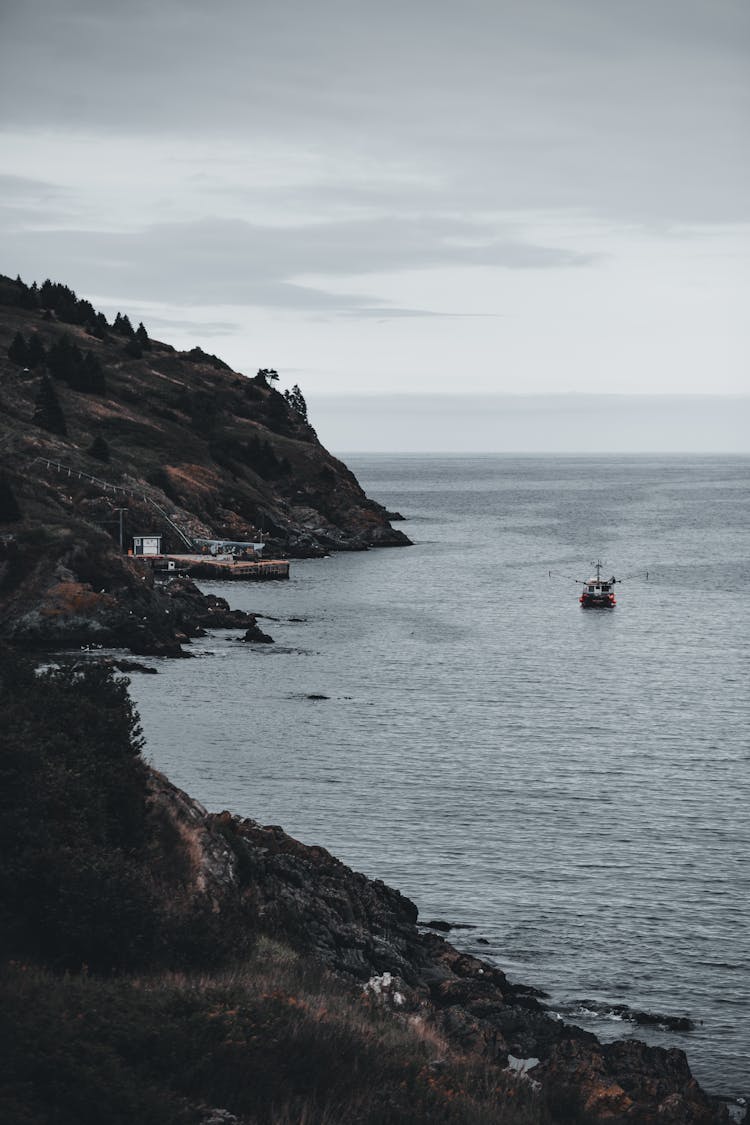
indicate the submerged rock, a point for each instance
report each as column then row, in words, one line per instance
column 633, row 1015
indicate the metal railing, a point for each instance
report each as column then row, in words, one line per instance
column 108, row 486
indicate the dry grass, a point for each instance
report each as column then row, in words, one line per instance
column 276, row 1041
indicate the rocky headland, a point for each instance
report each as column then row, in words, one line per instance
column 188, row 448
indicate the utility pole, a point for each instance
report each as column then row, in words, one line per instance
column 120, row 512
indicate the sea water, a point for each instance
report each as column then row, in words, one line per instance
column 573, row 783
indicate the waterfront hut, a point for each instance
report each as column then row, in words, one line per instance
column 147, row 544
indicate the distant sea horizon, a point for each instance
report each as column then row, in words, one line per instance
column 534, row 424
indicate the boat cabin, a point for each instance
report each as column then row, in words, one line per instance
column 594, row 586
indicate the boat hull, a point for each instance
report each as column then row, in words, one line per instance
column 598, row 601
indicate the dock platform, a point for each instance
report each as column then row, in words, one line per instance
column 219, row 569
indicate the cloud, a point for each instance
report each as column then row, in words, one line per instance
column 221, row 262
column 386, row 312
column 204, row 327
column 25, row 201
column 633, row 111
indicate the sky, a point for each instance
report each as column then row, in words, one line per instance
column 543, row 199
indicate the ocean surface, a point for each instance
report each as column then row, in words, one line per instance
column 574, row 783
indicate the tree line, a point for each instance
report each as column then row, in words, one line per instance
column 58, row 300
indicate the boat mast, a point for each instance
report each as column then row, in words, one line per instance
column 598, row 566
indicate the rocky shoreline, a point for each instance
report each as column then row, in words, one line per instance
column 369, row 934
column 87, row 598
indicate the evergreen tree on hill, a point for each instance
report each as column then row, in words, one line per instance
column 99, row 326
column 48, row 413
column 296, row 400
column 123, row 326
column 81, row 372
column 27, row 295
column 278, row 411
column 64, row 359
column 35, row 355
column 91, row 379
column 18, row 351
column 141, row 336
column 63, row 302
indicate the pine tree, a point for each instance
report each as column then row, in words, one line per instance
column 36, row 354
column 141, row 336
column 64, row 361
column 27, row 296
column 48, row 413
column 296, row 400
column 92, row 381
column 18, row 351
column 122, row 325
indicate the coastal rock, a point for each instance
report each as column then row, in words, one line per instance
column 255, row 635
column 627, row 1081
column 632, row 1015
column 69, row 596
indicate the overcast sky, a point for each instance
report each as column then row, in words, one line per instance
column 422, row 197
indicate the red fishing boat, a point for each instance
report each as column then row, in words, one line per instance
column 598, row 592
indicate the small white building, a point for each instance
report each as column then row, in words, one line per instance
column 147, row 544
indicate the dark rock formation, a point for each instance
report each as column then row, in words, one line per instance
column 633, row 1015
column 65, row 590
column 627, row 1081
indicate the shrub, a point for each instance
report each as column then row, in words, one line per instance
column 99, row 449
column 72, row 819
